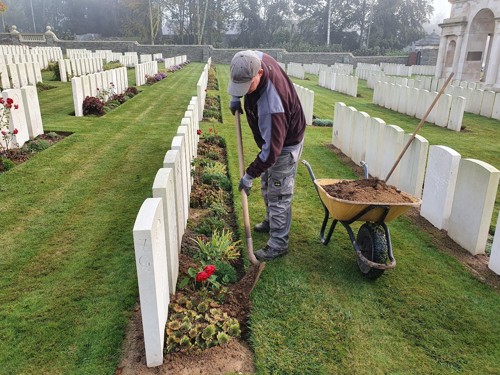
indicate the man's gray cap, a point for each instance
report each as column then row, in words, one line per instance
column 244, row 66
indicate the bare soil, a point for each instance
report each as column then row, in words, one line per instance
column 371, row 190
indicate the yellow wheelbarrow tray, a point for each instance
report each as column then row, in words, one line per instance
column 372, row 245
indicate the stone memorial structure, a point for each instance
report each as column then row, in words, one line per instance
column 470, row 42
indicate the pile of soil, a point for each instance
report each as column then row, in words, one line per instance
column 371, row 190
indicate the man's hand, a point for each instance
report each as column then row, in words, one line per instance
column 235, row 105
column 245, row 184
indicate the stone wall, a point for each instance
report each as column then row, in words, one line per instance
column 219, row 56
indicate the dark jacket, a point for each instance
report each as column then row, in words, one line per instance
column 275, row 116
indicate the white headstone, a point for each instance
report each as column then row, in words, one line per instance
column 375, row 136
column 496, row 107
column 392, row 146
column 456, row 113
column 17, row 118
column 173, row 160
column 412, row 165
column 151, row 264
column 439, row 187
column 14, row 76
column 78, row 97
column 179, row 144
column 472, row 208
column 31, row 107
column 164, row 188
column 487, row 104
column 494, row 263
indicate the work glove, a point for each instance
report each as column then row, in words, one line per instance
column 235, row 105
column 245, row 184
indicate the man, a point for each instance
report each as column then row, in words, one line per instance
column 277, row 121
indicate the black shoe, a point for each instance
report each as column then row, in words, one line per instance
column 269, row 253
column 263, row 227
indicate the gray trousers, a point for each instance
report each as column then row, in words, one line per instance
column 277, row 184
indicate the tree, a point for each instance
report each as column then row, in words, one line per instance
column 397, row 23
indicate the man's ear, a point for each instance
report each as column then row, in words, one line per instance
column 260, row 72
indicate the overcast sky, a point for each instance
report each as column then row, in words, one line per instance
column 441, row 10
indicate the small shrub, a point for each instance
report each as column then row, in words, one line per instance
column 40, row 86
column 38, row 145
column 112, row 65
column 7, row 164
column 210, row 225
column 93, row 106
column 131, row 91
column 120, row 98
column 323, row 122
column 220, row 247
column 52, row 135
column 215, row 140
column 216, row 180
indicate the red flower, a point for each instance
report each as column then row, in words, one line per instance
column 1, row 100
column 15, row 131
column 4, row 132
column 16, row 106
column 198, row 131
column 10, row 101
column 210, row 269
column 202, row 276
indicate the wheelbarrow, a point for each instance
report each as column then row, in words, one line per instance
column 373, row 242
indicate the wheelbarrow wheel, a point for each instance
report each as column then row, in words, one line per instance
column 373, row 245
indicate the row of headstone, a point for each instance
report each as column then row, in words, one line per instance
column 371, row 76
column 314, row 68
column 41, row 55
column 128, row 59
column 369, row 139
column 347, row 69
column 26, row 119
column 480, row 102
column 448, row 112
column 366, row 66
column 8, row 49
column 158, row 231
column 295, row 70
column 306, row 98
column 157, row 56
column 346, row 84
column 19, row 75
column 457, row 195
column 143, row 70
column 114, row 81
column 403, row 70
column 173, row 61
column 69, row 68
column 78, row 53
column 143, row 58
column 201, row 87
column 41, row 59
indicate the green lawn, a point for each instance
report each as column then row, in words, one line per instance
column 67, row 270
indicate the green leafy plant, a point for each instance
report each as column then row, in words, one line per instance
column 203, row 196
column 225, row 273
column 216, row 180
column 38, row 145
column 219, row 247
column 210, row 225
column 322, row 122
column 198, row 325
column 7, row 164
